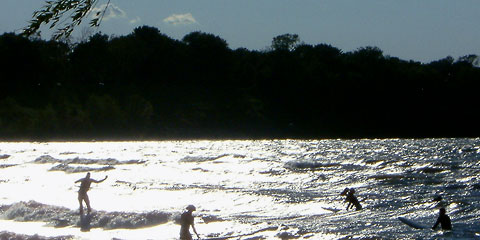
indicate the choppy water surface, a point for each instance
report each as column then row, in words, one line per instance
column 261, row 189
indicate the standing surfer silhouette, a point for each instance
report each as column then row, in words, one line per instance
column 82, row 192
column 444, row 220
column 186, row 221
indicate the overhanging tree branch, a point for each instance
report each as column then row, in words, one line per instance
column 67, row 13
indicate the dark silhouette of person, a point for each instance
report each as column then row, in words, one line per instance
column 345, row 191
column 187, row 220
column 82, row 192
column 351, row 199
column 444, row 220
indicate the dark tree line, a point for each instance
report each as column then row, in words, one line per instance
column 147, row 85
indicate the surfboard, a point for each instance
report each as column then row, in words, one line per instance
column 331, row 209
column 272, row 228
column 412, row 224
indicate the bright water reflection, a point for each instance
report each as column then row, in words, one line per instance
column 269, row 188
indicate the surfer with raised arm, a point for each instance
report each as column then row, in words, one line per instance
column 187, row 220
column 444, row 220
column 82, row 192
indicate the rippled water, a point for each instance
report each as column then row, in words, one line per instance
column 268, row 189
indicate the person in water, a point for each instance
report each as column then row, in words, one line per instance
column 351, row 199
column 444, row 220
column 187, row 220
column 82, row 192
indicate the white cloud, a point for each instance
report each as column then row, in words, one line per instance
column 113, row 11
column 135, row 20
column 180, row 19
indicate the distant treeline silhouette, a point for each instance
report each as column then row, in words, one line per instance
column 146, row 85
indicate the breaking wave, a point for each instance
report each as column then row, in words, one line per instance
column 77, row 160
column 198, row 159
column 309, row 165
column 6, row 165
column 57, row 216
column 69, row 169
column 14, row 236
column 65, row 165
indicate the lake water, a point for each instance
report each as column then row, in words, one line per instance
column 263, row 189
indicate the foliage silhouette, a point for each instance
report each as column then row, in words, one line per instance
column 285, row 42
column 70, row 13
column 146, row 85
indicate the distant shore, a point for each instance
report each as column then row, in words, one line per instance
column 148, row 86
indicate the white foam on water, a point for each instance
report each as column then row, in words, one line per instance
column 244, row 186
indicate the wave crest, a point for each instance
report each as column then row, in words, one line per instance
column 57, row 216
column 65, row 164
column 10, row 235
column 85, row 161
column 309, row 165
column 198, row 159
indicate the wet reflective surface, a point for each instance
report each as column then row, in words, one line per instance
column 265, row 189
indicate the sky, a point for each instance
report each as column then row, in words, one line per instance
column 419, row 30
